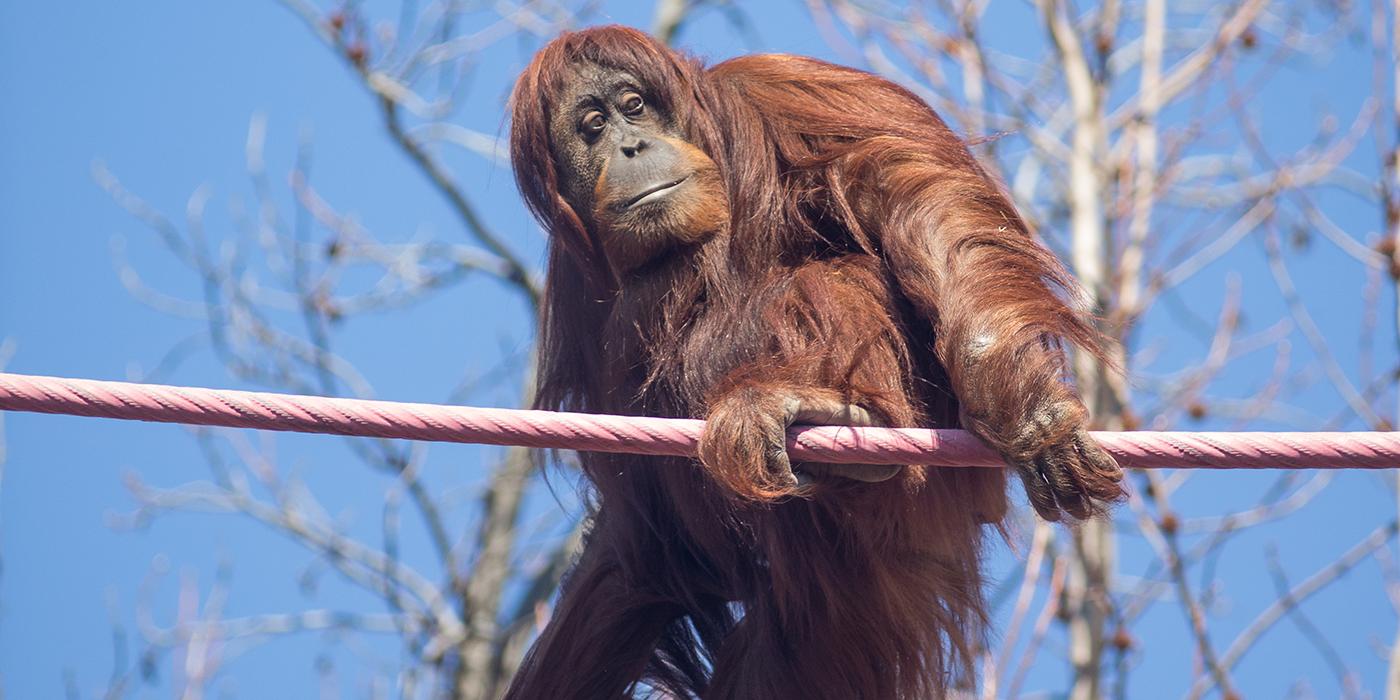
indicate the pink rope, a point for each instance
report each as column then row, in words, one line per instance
column 656, row 436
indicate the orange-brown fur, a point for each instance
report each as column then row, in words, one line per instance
column 865, row 257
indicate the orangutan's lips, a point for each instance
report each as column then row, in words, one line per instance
column 654, row 192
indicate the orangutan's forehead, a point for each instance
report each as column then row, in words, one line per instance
column 590, row 81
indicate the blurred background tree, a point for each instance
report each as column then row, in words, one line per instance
column 1222, row 177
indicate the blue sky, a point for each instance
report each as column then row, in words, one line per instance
column 162, row 93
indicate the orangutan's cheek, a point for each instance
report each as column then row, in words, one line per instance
column 638, row 233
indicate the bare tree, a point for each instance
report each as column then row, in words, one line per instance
column 1114, row 125
column 1126, row 135
column 460, row 633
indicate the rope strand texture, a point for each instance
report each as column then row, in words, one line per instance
column 657, row 436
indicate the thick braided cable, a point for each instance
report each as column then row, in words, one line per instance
column 656, row 436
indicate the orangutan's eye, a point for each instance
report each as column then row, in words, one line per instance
column 592, row 124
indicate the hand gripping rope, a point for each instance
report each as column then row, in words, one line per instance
column 658, row 436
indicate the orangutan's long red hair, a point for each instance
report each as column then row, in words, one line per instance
column 866, row 252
